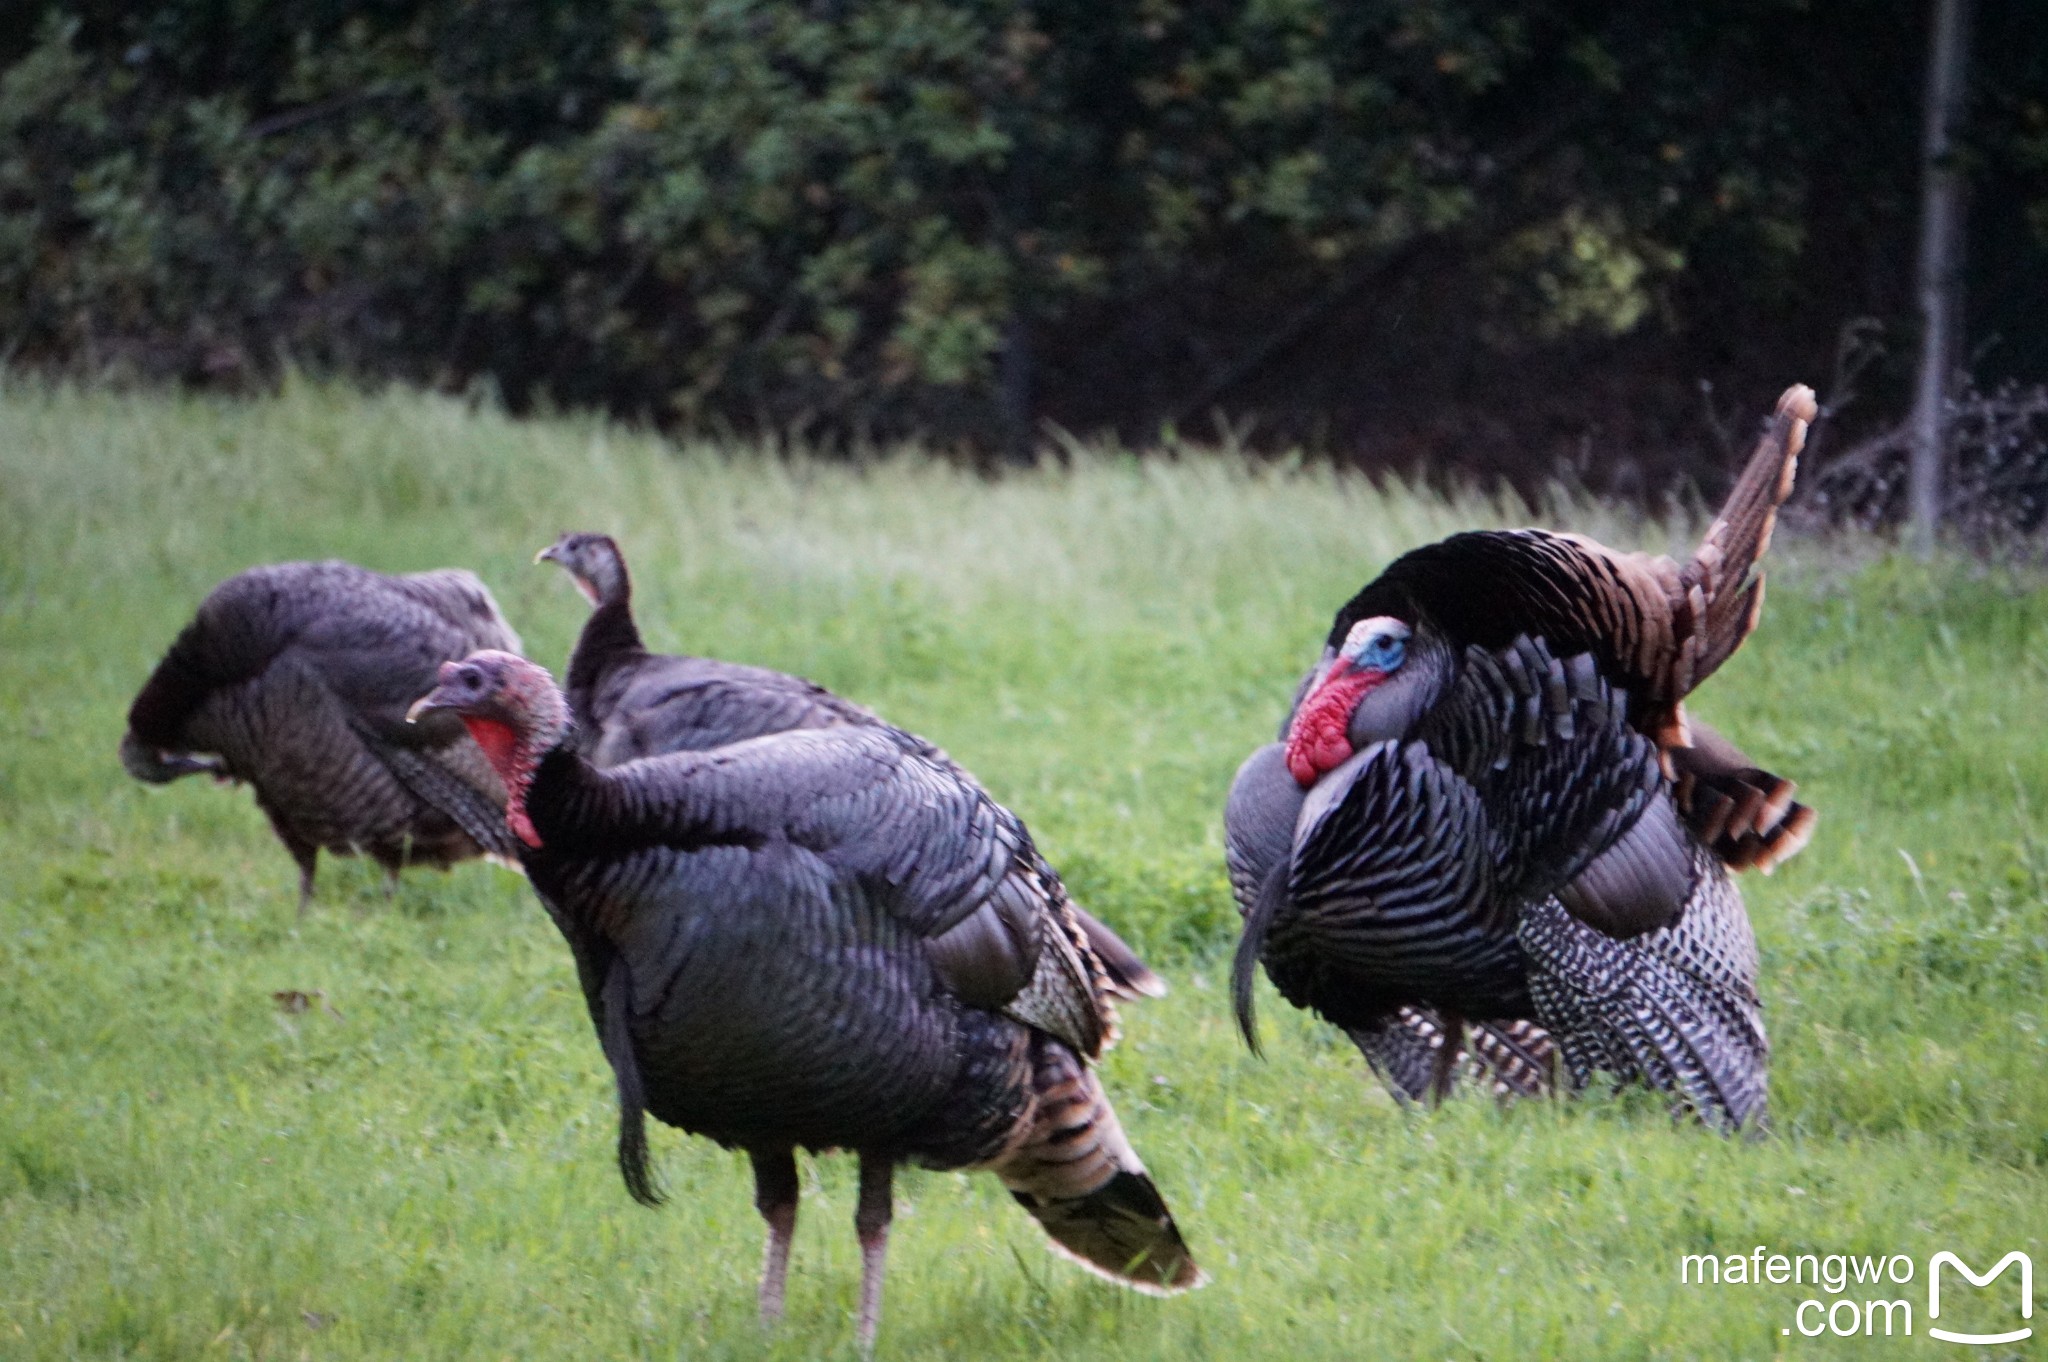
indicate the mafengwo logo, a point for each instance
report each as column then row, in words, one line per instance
column 1947, row 1259
column 1853, row 1313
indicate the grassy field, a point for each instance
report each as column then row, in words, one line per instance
column 418, row 1165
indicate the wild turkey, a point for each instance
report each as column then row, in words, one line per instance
column 1490, row 804
column 823, row 938
column 295, row 678
column 628, row 703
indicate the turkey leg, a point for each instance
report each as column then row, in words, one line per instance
column 304, row 854
column 1443, row 1069
column 775, row 1196
column 871, row 1224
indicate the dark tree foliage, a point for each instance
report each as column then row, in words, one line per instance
column 1459, row 232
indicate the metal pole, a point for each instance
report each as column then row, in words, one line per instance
column 1939, row 281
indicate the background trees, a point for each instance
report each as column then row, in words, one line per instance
column 1501, row 236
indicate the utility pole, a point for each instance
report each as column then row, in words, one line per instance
column 1940, row 274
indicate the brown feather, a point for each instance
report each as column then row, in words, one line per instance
column 1724, row 566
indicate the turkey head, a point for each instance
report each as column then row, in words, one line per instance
column 1373, row 687
column 593, row 562
column 513, row 711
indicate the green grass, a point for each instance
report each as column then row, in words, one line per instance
column 419, row 1165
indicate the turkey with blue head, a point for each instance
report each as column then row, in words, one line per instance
column 1491, row 841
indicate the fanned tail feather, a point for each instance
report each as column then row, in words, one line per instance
column 1724, row 591
column 1748, row 818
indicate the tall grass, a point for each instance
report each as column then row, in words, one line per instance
column 417, row 1165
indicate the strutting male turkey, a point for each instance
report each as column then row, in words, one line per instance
column 628, row 703
column 825, row 939
column 1490, row 808
column 295, row 677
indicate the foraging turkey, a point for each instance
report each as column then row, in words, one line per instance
column 295, row 677
column 824, row 938
column 627, row 703
column 1489, row 805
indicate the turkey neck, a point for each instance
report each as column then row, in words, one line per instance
column 551, row 788
column 519, row 757
column 609, row 636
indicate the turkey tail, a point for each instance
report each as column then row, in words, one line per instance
column 1127, row 977
column 617, row 1040
column 1245, row 964
column 1745, row 815
column 1748, row 818
column 1079, row 1178
column 1724, row 591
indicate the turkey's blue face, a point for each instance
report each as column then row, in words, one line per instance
column 1319, row 738
column 1378, row 644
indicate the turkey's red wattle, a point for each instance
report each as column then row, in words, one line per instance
column 514, row 765
column 1316, row 742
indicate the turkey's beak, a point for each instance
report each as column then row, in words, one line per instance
column 434, row 699
column 547, row 555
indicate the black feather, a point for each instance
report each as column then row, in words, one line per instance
column 616, row 1037
column 1244, row 965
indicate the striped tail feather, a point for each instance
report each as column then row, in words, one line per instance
column 1079, row 1178
column 1507, row 1058
column 1675, row 1010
